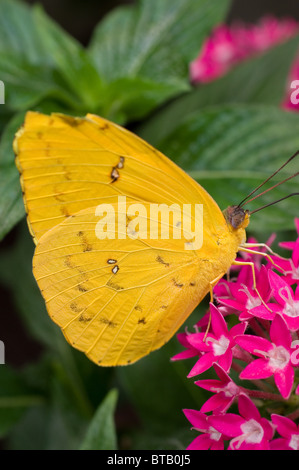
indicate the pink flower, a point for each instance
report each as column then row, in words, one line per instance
column 243, row 296
column 210, row 439
column 290, row 266
column 287, row 302
column 216, row 345
column 249, row 431
column 275, row 356
column 291, row 245
column 217, row 55
column 188, row 352
column 226, row 391
column 289, row 432
column 229, row 45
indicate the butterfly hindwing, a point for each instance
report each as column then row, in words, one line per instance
column 115, row 301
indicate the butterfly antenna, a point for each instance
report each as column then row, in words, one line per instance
column 242, row 203
column 275, row 202
column 272, row 187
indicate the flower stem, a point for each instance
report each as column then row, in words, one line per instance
column 256, row 327
column 263, row 394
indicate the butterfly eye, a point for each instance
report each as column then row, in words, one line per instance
column 235, row 216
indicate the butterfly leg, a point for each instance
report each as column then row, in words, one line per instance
column 251, row 264
column 212, row 285
column 262, row 245
column 254, row 252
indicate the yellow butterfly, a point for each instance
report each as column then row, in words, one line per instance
column 116, row 298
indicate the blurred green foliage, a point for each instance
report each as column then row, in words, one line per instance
column 135, row 72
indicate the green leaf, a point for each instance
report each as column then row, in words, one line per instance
column 11, row 204
column 153, row 40
column 55, row 425
column 128, row 99
column 159, row 389
column 39, row 60
column 27, row 84
column 18, row 33
column 260, row 80
column 16, row 274
column 231, row 149
column 101, row 433
column 15, row 398
column 71, row 60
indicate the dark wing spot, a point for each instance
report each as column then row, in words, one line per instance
column 114, row 286
column 137, row 307
column 64, row 211
column 86, row 246
column 68, row 262
column 176, row 283
column 75, row 308
column 141, row 320
column 71, row 121
column 164, row 307
column 84, row 319
column 114, row 174
column 81, row 288
column 108, row 322
column 192, row 283
column 161, row 260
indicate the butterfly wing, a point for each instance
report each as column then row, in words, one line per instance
column 116, row 300
column 68, row 164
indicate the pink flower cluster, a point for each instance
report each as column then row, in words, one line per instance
column 253, row 335
column 229, row 45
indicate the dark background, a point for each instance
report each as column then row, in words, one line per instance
column 79, row 18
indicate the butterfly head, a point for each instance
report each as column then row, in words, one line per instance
column 237, row 217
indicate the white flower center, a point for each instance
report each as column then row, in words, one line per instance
column 292, row 309
column 231, row 389
column 295, row 271
column 279, row 357
column 253, row 432
column 252, row 301
column 214, row 434
column 294, row 442
column 219, row 346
